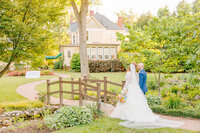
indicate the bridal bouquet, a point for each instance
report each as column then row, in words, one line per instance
column 121, row 98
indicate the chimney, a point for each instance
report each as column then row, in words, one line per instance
column 71, row 18
column 120, row 21
column 91, row 13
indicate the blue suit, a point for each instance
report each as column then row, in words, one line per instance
column 143, row 80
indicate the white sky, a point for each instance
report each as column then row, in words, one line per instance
column 110, row 7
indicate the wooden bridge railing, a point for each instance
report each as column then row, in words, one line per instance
column 84, row 86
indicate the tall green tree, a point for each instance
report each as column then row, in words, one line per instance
column 26, row 26
column 168, row 43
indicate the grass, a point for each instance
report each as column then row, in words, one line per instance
column 9, row 84
column 108, row 125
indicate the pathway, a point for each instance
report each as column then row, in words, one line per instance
column 28, row 91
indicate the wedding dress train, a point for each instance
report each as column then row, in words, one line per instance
column 136, row 111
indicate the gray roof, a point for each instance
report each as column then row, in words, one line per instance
column 73, row 27
column 104, row 21
column 109, row 25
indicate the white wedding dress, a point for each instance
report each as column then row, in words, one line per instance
column 136, row 111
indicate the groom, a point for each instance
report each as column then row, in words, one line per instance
column 142, row 78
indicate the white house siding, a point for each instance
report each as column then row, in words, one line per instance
column 94, row 53
column 68, row 53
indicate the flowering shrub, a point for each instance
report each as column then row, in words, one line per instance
column 23, row 73
column 172, row 102
column 17, row 73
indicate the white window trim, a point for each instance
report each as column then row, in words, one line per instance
column 73, row 38
column 78, row 37
column 70, row 53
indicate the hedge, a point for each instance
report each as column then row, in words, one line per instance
column 97, row 65
column 194, row 113
column 105, row 66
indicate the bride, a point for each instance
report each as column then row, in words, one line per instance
column 136, row 111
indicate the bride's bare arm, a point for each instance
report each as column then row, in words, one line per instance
column 127, row 77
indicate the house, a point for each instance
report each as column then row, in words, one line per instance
column 102, row 43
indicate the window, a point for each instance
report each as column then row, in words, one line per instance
column 113, row 53
column 106, row 53
column 87, row 36
column 100, row 53
column 93, row 53
column 69, row 54
column 73, row 38
column 88, row 53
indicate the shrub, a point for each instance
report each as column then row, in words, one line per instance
column 1, row 110
column 21, row 105
column 186, row 112
column 68, row 116
column 172, row 102
column 96, row 113
column 152, row 85
column 193, row 93
column 174, row 89
column 17, row 73
column 42, row 96
column 46, row 73
column 194, row 79
column 75, row 62
column 58, row 64
column 105, row 66
column 153, row 100
column 97, row 65
column 165, row 92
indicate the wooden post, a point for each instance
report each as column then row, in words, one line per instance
column 105, row 89
column 98, row 96
column 123, row 83
column 48, row 92
column 72, row 87
column 61, row 91
column 85, row 87
column 80, row 93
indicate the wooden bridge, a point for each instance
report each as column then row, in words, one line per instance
column 84, row 86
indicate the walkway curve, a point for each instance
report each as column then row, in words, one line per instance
column 28, row 91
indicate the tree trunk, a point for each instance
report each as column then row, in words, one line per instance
column 159, row 82
column 5, row 69
column 81, row 17
column 83, row 49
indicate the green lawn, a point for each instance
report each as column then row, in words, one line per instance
column 108, row 125
column 9, row 84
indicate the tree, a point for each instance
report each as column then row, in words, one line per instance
column 196, row 6
column 183, row 9
column 163, row 12
column 26, row 28
column 81, row 17
column 168, row 43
